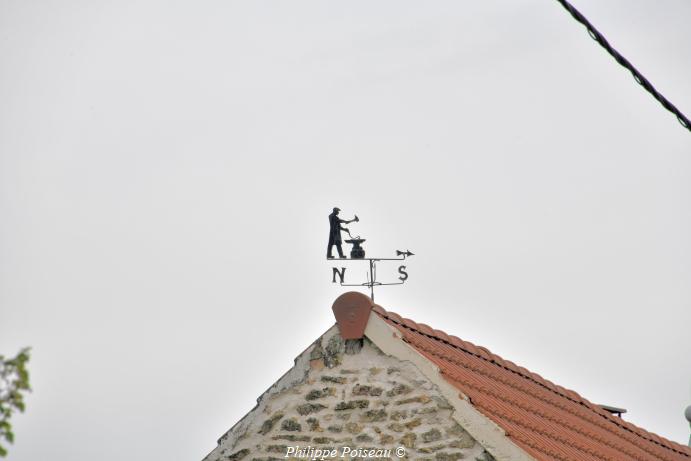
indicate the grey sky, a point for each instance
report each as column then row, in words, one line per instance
column 167, row 168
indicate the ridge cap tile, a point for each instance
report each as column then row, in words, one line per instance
column 395, row 317
column 466, row 345
column 510, row 365
column 441, row 335
column 410, row 324
column 424, row 328
column 484, row 352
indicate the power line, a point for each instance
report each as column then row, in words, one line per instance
column 599, row 38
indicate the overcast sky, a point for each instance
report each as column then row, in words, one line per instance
column 167, row 168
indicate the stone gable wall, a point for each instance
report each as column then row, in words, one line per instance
column 348, row 395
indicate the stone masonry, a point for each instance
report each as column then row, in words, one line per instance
column 349, row 394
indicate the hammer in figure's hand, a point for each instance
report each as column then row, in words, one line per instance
column 355, row 219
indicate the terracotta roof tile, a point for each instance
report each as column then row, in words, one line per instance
column 548, row 421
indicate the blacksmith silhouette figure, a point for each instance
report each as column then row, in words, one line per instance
column 335, row 233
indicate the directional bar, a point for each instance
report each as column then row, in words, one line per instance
column 365, row 259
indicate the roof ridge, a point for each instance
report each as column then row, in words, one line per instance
column 485, row 354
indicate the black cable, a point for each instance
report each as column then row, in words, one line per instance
column 599, row 38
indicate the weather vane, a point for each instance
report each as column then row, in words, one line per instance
column 357, row 253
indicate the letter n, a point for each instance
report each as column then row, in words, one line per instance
column 341, row 274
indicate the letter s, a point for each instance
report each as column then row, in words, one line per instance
column 404, row 274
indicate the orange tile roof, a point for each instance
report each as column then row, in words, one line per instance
column 546, row 420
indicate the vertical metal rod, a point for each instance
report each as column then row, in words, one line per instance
column 371, row 278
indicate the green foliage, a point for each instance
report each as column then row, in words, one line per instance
column 14, row 383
